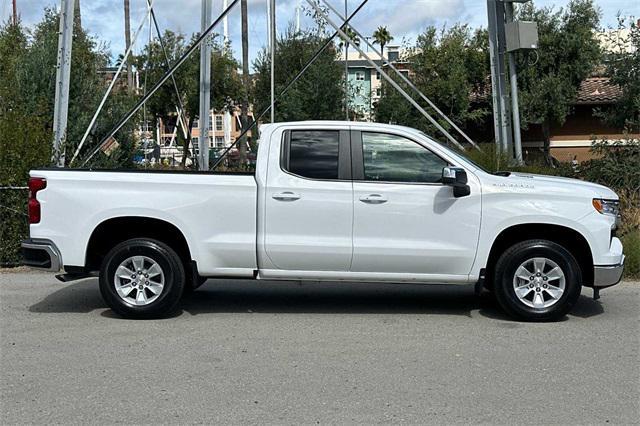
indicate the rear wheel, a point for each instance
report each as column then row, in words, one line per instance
column 537, row 280
column 142, row 278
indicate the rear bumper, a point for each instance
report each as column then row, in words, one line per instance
column 41, row 254
column 608, row 275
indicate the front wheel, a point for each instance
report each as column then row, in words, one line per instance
column 142, row 278
column 537, row 280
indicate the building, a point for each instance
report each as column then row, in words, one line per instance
column 572, row 139
column 365, row 82
column 224, row 130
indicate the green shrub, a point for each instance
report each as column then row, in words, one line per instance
column 631, row 243
column 13, row 225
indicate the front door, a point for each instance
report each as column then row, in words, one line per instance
column 309, row 202
column 405, row 220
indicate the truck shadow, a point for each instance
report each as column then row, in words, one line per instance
column 243, row 296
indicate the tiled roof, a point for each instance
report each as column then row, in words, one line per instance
column 597, row 90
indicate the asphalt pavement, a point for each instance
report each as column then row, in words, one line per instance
column 243, row 352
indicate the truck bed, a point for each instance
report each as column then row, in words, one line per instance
column 216, row 212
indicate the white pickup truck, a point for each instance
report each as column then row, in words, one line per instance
column 329, row 201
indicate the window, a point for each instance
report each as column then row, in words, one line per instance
column 378, row 75
column 405, row 73
column 211, row 145
column 219, row 141
column 391, row 158
column 314, row 154
column 378, row 91
column 218, row 123
column 359, row 76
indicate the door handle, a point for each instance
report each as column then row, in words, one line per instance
column 286, row 196
column 373, row 199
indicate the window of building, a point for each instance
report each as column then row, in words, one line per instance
column 378, row 91
column 218, row 123
column 405, row 73
column 314, row 154
column 211, row 145
column 378, row 75
column 219, row 141
column 391, row 158
column 359, row 76
column 210, row 124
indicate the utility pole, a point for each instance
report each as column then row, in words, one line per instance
column 15, row 13
column 272, row 43
column 244, row 107
column 502, row 121
column 63, row 77
column 127, row 43
column 513, row 84
column 346, row 65
column 205, row 88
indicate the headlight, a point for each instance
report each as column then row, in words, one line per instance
column 609, row 207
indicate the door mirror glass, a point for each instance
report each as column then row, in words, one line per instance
column 457, row 178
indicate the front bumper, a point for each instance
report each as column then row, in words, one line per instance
column 608, row 275
column 41, row 254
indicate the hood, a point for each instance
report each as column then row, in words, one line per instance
column 563, row 183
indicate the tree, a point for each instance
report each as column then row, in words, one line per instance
column 316, row 95
column 450, row 67
column 623, row 69
column 550, row 76
column 225, row 85
column 382, row 36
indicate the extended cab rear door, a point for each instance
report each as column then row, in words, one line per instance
column 309, row 201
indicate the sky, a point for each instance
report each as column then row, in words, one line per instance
column 405, row 19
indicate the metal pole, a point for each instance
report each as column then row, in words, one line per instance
column 63, row 76
column 342, row 34
column 404, row 78
column 15, row 13
column 346, row 67
column 504, row 95
column 205, row 88
column 495, row 72
column 513, row 82
column 225, row 24
column 272, row 22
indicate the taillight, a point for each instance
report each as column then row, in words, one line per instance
column 35, row 185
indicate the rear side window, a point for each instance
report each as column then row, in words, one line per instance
column 314, row 154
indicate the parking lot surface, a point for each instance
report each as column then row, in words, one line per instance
column 284, row 353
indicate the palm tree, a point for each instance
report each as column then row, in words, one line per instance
column 352, row 35
column 382, row 36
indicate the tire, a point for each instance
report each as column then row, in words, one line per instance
column 158, row 289
column 554, row 289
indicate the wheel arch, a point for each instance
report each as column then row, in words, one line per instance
column 118, row 229
column 567, row 237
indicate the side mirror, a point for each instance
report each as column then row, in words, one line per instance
column 456, row 177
